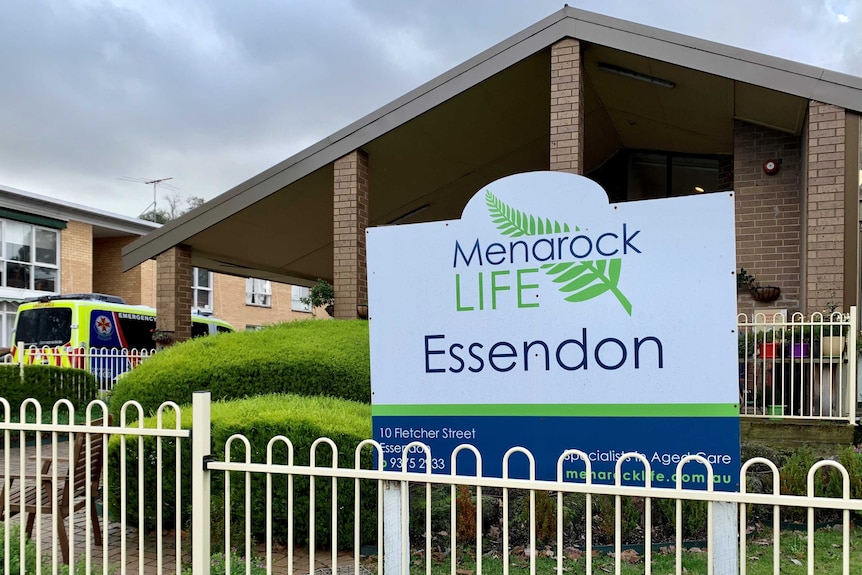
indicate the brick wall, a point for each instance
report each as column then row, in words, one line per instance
column 76, row 258
column 768, row 213
column 725, row 174
column 108, row 276
column 229, row 296
column 567, row 110
column 350, row 218
column 174, row 297
column 824, row 255
column 148, row 283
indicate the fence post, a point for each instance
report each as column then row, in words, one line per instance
column 852, row 374
column 201, row 450
column 725, row 551
column 392, row 527
column 21, row 360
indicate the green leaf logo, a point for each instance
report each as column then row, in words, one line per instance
column 581, row 281
column 514, row 223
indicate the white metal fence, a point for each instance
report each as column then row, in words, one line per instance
column 106, row 364
column 418, row 522
column 804, row 367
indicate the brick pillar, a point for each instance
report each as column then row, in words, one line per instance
column 725, row 174
column 825, row 206
column 567, row 108
column 76, row 258
column 350, row 218
column 768, row 212
column 174, row 292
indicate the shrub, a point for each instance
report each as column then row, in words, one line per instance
column 305, row 358
column 302, row 420
column 851, row 459
column 46, row 384
column 694, row 515
column 31, row 566
column 220, row 562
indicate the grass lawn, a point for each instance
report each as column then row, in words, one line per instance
column 793, row 558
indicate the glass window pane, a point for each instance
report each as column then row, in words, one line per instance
column 46, row 247
column 203, row 298
column 647, row 176
column 18, row 276
column 203, row 277
column 18, row 241
column 200, row 328
column 296, row 293
column 691, row 175
column 9, row 311
column 46, row 279
column 45, row 326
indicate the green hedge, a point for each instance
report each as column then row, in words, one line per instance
column 47, row 384
column 302, row 420
column 306, row 358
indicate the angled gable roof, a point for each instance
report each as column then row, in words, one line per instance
column 300, row 182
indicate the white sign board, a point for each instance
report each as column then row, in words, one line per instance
column 547, row 308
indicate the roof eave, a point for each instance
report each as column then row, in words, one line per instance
column 67, row 211
column 771, row 72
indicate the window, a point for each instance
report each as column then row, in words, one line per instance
column 296, row 293
column 29, row 257
column 45, row 326
column 7, row 322
column 642, row 175
column 258, row 292
column 200, row 328
column 137, row 329
column 202, row 290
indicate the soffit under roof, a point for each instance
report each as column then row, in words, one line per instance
column 489, row 118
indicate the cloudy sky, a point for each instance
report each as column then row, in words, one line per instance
column 211, row 92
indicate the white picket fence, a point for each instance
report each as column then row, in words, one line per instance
column 804, row 367
column 138, row 488
column 106, row 364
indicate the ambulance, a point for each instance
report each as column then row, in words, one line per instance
column 81, row 330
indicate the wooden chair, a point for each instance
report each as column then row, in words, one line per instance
column 71, row 492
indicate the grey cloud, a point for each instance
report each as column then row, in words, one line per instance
column 212, row 92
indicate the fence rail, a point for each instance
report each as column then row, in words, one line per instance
column 151, row 477
column 804, row 367
column 106, row 364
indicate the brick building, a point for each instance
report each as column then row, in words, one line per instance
column 645, row 112
column 50, row 246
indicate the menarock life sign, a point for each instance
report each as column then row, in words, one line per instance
column 549, row 319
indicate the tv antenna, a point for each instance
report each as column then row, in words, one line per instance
column 155, row 183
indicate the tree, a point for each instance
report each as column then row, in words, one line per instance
column 176, row 206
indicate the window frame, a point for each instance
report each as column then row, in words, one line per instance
column 258, row 292
column 32, row 264
column 295, row 294
column 196, row 288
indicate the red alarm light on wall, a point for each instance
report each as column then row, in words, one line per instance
column 771, row 166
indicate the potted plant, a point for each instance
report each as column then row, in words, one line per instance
column 832, row 333
column 832, row 343
column 799, row 342
column 321, row 294
column 362, row 310
column 162, row 337
column 746, row 282
column 746, row 345
column 769, row 344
